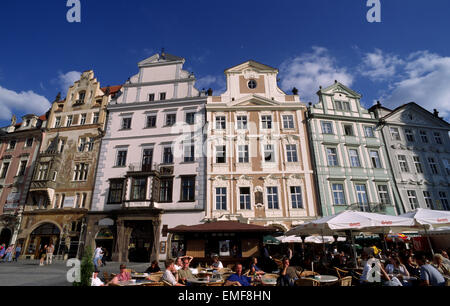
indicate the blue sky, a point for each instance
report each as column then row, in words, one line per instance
column 313, row 42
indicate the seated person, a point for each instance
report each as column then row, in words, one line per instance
column 429, row 275
column 169, row 274
column 254, row 269
column 238, row 279
column 370, row 264
column 95, row 281
column 395, row 267
column 288, row 274
column 440, row 265
column 178, row 263
column 154, row 267
column 123, row 276
column 185, row 274
column 217, row 264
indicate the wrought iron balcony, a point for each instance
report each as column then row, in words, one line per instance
column 43, row 185
column 141, row 167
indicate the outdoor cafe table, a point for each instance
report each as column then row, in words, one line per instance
column 140, row 275
column 324, row 278
column 135, row 283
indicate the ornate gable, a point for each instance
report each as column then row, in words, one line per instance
column 412, row 114
column 339, row 88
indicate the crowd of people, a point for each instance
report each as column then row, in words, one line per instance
column 10, row 253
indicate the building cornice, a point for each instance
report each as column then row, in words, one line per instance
column 145, row 84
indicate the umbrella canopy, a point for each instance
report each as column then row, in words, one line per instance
column 310, row 239
column 269, row 239
column 352, row 220
column 429, row 218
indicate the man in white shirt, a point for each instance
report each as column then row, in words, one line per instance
column 169, row 274
column 95, row 281
column 97, row 256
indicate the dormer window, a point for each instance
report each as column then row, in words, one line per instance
column 252, row 84
column 27, row 123
column 81, row 97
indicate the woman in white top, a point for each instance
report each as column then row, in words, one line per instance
column 395, row 267
column 216, row 265
column 178, row 263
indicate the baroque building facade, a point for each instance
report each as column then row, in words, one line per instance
column 350, row 158
column 63, row 180
column 259, row 169
column 20, row 144
column 418, row 146
column 151, row 172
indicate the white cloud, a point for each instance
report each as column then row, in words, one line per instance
column 25, row 102
column 65, row 80
column 217, row 83
column 310, row 70
column 425, row 79
column 379, row 66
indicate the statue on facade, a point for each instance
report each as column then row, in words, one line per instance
column 13, row 120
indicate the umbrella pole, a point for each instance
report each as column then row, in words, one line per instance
column 429, row 241
column 353, row 248
column 323, row 244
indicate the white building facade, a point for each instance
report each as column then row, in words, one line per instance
column 151, row 171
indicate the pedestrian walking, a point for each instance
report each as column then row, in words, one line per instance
column 43, row 252
column 2, row 250
column 105, row 253
column 18, row 250
column 50, row 250
column 8, row 253
column 98, row 253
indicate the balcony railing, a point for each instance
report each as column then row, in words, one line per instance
column 138, row 204
column 368, row 207
column 43, row 184
column 141, row 167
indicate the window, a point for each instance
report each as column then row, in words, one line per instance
column 22, row 168
column 55, row 175
column 82, row 95
column 272, row 197
column 95, row 118
column 384, row 194
column 409, row 135
column 4, row 170
column 269, row 153
column 139, row 189
column 327, row 128
column 69, row 120
column 375, row 158
column 242, row 122
column 151, row 122
column 412, row 199
column 437, row 137
column 346, row 106
column 162, row 96
column 266, row 122
column 90, row 144
column 444, row 200
column 188, row 152
column 291, row 152
column 80, row 172
column 221, row 123
column 171, row 119
column 288, row 121
column 368, row 131
column 338, row 105
column 126, row 123
column 433, row 165
column 115, row 191
column 82, row 145
column 395, row 134
column 83, row 119
column 190, row 118
column 42, row 172
column 121, row 158
column 166, row 188
column 332, row 157
column 61, row 146
column 244, row 198
column 243, row 154
column 348, row 130
column 188, row 189
column 418, row 164
column 147, row 159
column 296, row 197
column 354, row 158
column 83, row 201
column 12, row 145
column 151, row 97
column 361, row 195
column 403, row 163
column 428, row 199
column 252, row 84
column 29, row 143
column 447, row 165
column 168, row 155
column 221, row 198
column 221, row 154
column 424, row 136
column 338, row 194
column 57, row 122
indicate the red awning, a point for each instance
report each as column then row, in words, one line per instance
column 222, row 226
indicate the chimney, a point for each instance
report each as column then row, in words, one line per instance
column 294, row 91
column 210, row 92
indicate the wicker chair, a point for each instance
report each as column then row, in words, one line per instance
column 307, row 282
column 156, row 284
column 341, row 273
column 106, row 277
column 308, row 273
column 166, row 284
column 215, row 284
column 155, row 277
column 345, row 281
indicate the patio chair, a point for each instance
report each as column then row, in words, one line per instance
column 106, row 277
column 216, row 284
column 307, row 273
column 341, row 273
column 307, row 282
column 155, row 277
column 345, row 281
column 166, row 284
column 230, row 266
column 156, row 284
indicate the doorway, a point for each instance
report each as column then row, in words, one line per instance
column 141, row 241
column 5, row 236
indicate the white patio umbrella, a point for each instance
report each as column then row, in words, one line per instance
column 352, row 221
column 429, row 219
column 310, row 239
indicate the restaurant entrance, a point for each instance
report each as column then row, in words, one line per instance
column 141, row 241
column 41, row 236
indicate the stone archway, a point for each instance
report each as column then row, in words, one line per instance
column 5, row 236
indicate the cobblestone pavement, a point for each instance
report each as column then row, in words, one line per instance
column 29, row 273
